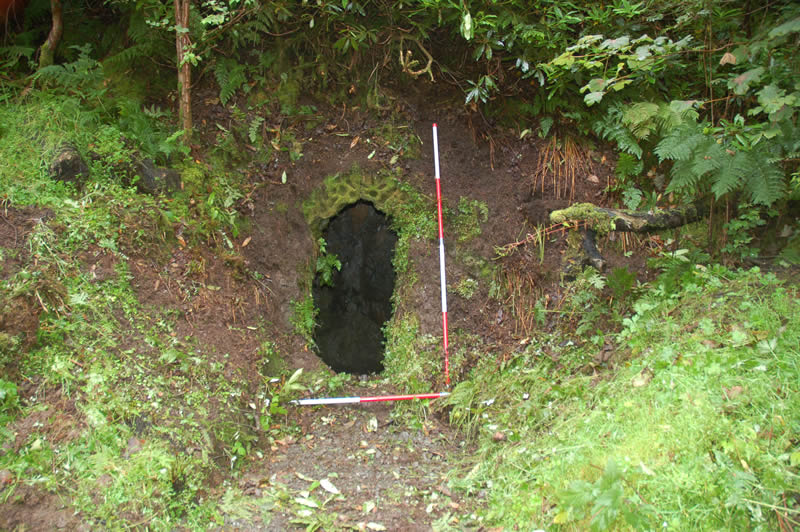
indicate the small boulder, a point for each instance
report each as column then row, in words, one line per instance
column 154, row 179
column 68, row 166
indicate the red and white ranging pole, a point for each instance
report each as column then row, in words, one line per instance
column 373, row 399
column 382, row 398
column 441, row 253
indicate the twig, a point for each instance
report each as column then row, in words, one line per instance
column 40, row 301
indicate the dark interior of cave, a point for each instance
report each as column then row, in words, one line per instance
column 356, row 304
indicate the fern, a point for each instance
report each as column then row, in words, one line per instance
column 128, row 56
column 611, row 127
column 731, row 174
column 83, row 77
column 230, row 77
column 679, row 143
column 628, row 165
column 683, row 178
column 639, row 119
column 708, row 156
column 764, row 181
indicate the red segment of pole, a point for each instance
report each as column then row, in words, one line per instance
column 441, row 253
column 402, row 397
column 439, row 203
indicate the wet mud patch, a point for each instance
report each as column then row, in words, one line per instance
column 353, row 289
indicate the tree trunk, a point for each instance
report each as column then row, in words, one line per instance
column 182, row 44
column 48, row 50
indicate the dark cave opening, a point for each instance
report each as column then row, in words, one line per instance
column 356, row 304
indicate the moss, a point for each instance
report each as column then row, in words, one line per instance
column 338, row 191
column 598, row 220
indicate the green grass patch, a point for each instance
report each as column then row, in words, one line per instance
column 695, row 428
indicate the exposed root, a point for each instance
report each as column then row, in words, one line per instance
column 560, row 160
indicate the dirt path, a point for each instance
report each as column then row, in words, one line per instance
column 356, row 467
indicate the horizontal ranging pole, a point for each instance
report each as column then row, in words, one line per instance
column 373, row 399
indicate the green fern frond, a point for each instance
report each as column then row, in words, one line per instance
column 639, row 119
column 731, row 174
column 708, row 157
column 628, row 165
column 127, row 56
column 679, row 143
column 683, row 177
column 765, row 183
column 611, row 127
column 230, row 77
column 675, row 114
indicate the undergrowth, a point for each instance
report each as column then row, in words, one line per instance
column 153, row 416
column 693, row 427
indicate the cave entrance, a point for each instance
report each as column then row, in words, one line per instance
column 356, row 303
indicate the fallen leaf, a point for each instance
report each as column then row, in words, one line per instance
column 328, row 486
column 593, row 179
column 246, row 241
column 375, row 526
column 306, row 502
column 355, row 141
column 301, row 476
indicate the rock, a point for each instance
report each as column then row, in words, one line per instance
column 68, row 166
column 152, row 179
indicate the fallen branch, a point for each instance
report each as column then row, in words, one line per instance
column 603, row 220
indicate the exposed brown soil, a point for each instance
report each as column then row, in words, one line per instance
column 360, row 449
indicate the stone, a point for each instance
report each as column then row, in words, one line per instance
column 68, row 166
column 154, row 180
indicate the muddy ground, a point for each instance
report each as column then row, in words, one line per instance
column 391, row 476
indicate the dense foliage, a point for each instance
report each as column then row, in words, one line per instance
column 694, row 425
column 700, row 97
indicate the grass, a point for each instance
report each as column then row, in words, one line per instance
column 152, row 416
column 693, row 429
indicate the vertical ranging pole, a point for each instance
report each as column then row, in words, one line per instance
column 441, row 254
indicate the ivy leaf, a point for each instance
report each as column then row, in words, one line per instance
column 772, row 98
column 741, row 83
column 466, row 26
column 593, row 97
column 786, row 28
column 615, row 44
